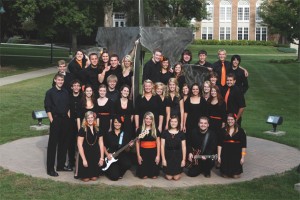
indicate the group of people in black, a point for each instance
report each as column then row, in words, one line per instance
column 171, row 125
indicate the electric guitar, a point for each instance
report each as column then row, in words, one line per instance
column 197, row 156
column 115, row 154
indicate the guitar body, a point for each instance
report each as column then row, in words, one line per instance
column 109, row 162
column 197, row 156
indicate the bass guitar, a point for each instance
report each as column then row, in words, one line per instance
column 115, row 154
column 197, row 156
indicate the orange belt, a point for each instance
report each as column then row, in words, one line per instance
column 104, row 113
column 213, row 117
column 231, row 141
column 148, row 144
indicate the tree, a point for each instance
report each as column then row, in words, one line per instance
column 282, row 16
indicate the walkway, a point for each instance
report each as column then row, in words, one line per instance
column 28, row 75
column 28, row 156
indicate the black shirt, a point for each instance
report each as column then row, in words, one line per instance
column 57, row 101
column 241, row 79
column 75, row 105
column 117, row 72
column 217, row 67
column 197, row 139
column 235, row 100
column 91, row 74
column 152, row 71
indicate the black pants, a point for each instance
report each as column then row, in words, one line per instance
column 119, row 168
column 72, row 142
column 204, row 166
column 58, row 138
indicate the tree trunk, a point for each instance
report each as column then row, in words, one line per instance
column 74, row 42
column 108, row 14
column 298, row 59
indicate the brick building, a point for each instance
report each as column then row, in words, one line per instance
column 232, row 20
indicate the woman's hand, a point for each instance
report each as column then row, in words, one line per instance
column 85, row 164
column 182, row 163
column 219, row 159
column 140, row 160
column 101, row 161
column 184, row 129
column 242, row 160
column 157, row 158
column 164, row 163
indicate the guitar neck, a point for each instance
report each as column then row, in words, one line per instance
column 206, row 156
column 123, row 148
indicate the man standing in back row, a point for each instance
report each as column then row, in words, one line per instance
column 152, row 68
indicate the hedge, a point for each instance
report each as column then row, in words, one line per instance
column 234, row 42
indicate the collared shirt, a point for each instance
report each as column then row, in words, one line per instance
column 57, row 101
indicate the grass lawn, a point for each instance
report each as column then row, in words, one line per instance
column 274, row 89
column 17, row 59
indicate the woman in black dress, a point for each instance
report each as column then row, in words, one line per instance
column 77, row 66
column 165, row 73
column 124, row 108
column 104, row 65
column 105, row 110
column 149, row 102
column 194, row 107
column 160, row 90
column 179, row 75
column 148, row 149
column 232, row 148
column 113, row 141
column 174, row 103
column 91, row 148
column 216, row 110
column 173, row 150
column 127, row 73
column 185, row 92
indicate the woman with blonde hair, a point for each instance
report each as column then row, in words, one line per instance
column 148, row 148
column 206, row 87
column 148, row 102
column 174, row 103
column 127, row 73
column 91, row 149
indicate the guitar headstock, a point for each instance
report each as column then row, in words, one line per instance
column 143, row 134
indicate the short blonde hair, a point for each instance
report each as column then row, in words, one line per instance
column 112, row 77
column 61, row 62
column 222, row 50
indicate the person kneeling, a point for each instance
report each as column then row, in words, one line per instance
column 91, row 148
column 201, row 148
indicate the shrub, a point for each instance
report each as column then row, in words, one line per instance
column 234, row 42
column 16, row 39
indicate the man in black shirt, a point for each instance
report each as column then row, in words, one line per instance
column 75, row 98
column 62, row 69
column 202, row 55
column 203, row 142
column 152, row 68
column 241, row 79
column 57, row 107
column 114, row 68
column 92, row 72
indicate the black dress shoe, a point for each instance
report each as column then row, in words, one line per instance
column 53, row 173
column 207, row 175
column 65, row 168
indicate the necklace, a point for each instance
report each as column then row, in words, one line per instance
column 88, row 140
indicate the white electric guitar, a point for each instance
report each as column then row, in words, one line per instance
column 115, row 154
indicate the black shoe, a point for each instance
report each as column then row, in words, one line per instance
column 53, row 173
column 65, row 168
column 207, row 175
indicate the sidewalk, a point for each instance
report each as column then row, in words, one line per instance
column 29, row 75
column 28, row 156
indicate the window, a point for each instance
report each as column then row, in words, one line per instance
column 243, row 33
column 261, row 33
column 207, row 33
column 224, row 33
column 257, row 16
column 209, row 10
column 225, row 11
column 119, row 20
column 243, row 11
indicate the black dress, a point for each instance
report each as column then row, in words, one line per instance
column 173, row 152
column 154, row 105
column 127, row 80
column 92, row 153
column 105, row 114
column 164, row 77
column 126, row 113
column 217, row 115
column 174, row 105
column 194, row 111
column 231, row 152
column 148, row 167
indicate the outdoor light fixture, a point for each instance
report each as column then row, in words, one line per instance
column 39, row 115
column 274, row 120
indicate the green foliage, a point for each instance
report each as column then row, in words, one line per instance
column 233, row 42
column 283, row 61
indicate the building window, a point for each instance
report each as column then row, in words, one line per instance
column 243, row 33
column 207, row 33
column 243, row 11
column 119, row 20
column 224, row 33
column 257, row 15
column 225, row 11
column 261, row 33
column 210, row 10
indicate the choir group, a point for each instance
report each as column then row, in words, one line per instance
column 171, row 126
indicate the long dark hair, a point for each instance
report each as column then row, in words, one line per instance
column 174, row 117
column 236, row 127
column 186, row 52
column 83, row 98
column 219, row 96
column 120, row 119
